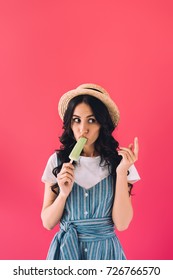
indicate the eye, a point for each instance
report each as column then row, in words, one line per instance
column 76, row 120
column 91, row 120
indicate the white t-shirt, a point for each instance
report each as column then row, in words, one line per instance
column 87, row 171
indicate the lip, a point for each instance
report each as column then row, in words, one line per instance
column 82, row 136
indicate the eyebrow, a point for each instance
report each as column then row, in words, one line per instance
column 86, row 116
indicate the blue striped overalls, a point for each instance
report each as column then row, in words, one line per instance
column 86, row 227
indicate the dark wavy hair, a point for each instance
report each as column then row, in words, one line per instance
column 105, row 145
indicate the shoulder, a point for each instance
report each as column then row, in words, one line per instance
column 54, row 159
column 52, row 163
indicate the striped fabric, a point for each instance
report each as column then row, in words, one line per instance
column 86, row 228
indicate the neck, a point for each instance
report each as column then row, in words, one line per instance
column 89, row 152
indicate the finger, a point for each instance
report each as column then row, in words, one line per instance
column 126, row 155
column 68, row 165
column 128, row 150
column 136, row 146
column 65, row 175
column 67, row 170
column 130, row 146
column 63, row 179
column 66, row 181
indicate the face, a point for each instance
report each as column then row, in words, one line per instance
column 85, row 124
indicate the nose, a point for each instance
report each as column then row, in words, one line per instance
column 83, row 129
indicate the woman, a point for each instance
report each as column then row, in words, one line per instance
column 92, row 195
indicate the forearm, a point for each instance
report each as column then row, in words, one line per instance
column 122, row 211
column 52, row 214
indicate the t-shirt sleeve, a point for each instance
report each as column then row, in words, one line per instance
column 48, row 176
column 133, row 175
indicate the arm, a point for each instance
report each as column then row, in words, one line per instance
column 122, row 212
column 53, row 206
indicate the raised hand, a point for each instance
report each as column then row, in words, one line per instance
column 65, row 178
column 129, row 155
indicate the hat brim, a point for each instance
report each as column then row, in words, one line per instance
column 93, row 91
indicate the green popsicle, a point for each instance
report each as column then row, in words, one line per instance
column 75, row 153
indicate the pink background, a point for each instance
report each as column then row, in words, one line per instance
column 48, row 47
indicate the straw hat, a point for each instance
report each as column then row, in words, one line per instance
column 93, row 90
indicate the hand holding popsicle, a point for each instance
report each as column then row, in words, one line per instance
column 65, row 177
